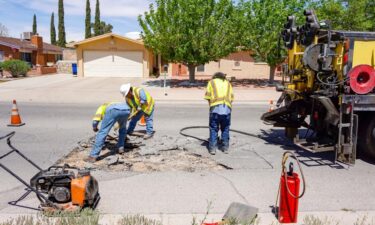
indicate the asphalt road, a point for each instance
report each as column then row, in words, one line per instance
column 52, row 130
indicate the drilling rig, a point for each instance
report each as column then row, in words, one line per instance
column 327, row 89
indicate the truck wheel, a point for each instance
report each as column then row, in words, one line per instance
column 367, row 136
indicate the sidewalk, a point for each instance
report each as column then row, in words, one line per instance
column 67, row 89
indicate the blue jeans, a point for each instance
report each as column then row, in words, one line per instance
column 149, row 122
column 217, row 122
column 111, row 116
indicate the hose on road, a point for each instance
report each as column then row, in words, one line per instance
column 231, row 130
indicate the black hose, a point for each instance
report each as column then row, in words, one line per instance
column 11, row 134
column 232, row 130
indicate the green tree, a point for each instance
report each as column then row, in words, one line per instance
column 53, row 30
column 62, row 38
column 356, row 15
column 34, row 25
column 370, row 13
column 264, row 20
column 97, row 19
column 105, row 28
column 192, row 32
column 88, row 20
column 332, row 10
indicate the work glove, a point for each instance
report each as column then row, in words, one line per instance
column 95, row 125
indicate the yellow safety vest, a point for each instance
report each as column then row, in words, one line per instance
column 99, row 115
column 135, row 102
column 219, row 91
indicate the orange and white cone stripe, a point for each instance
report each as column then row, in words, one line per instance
column 142, row 122
column 15, row 118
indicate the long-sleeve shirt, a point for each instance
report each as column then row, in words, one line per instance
column 221, row 109
column 142, row 96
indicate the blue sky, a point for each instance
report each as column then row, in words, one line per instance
column 17, row 16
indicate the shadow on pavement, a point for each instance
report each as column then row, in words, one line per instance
column 201, row 83
column 309, row 159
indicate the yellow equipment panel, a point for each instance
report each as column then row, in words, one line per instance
column 364, row 53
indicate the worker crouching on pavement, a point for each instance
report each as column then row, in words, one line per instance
column 219, row 94
column 142, row 104
column 109, row 114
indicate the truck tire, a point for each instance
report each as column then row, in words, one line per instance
column 366, row 137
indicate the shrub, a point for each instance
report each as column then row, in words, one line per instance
column 16, row 67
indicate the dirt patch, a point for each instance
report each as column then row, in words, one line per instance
column 157, row 154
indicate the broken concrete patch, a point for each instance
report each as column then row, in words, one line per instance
column 112, row 160
column 167, row 153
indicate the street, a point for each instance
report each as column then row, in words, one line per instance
column 52, row 130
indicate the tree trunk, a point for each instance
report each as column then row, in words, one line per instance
column 191, row 73
column 272, row 74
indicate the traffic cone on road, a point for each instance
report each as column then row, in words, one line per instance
column 142, row 122
column 271, row 108
column 15, row 118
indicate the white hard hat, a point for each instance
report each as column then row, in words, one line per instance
column 124, row 89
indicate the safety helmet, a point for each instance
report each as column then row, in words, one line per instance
column 124, row 89
column 219, row 75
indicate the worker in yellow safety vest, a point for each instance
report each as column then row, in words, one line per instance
column 219, row 95
column 108, row 114
column 142, row 104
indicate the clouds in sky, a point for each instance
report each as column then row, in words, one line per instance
column 122, row 14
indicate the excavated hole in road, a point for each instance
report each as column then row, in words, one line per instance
column 161, row 153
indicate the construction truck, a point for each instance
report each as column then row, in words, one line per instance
column 328, row 97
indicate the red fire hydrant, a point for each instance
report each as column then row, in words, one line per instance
column 289, row 191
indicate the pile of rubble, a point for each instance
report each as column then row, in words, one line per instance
column 160, row 153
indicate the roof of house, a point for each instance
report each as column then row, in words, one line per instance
column 88, row 40
column 27, row 45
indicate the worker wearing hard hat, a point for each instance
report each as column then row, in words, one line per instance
column 219, row 94
column 108, row 114
column 142, row 104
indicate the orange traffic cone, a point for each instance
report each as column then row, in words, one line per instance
column 142, row 122
column 271, row 108
column 15, row 119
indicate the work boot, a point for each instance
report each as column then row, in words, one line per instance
column 225, row 150
column 90, row 159
column 212, row 151
column 148, row 136
column 121, row 150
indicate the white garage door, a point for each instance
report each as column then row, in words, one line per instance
column 112, row 64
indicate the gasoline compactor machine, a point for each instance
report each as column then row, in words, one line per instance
column 58, row 188
column 328, row 89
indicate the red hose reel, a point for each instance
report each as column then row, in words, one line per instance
column 362, row 79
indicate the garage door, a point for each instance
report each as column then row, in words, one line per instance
column 112, row 64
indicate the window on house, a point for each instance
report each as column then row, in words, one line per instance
column 1, row 56
column 200, row 68
column 26, row 57
column 58, row 57
column 237, row 64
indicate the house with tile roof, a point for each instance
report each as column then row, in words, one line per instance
column 40, row 55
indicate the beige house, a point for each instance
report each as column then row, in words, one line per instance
column 112, row 55
column 239, row 64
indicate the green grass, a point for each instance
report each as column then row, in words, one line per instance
column 84, row 217
column 90, row 217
